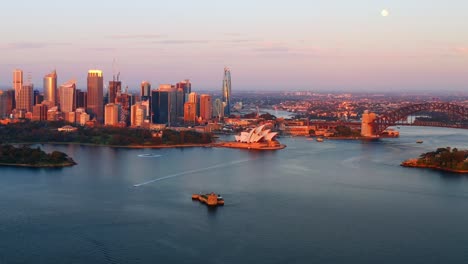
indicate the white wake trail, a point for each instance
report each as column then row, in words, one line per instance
column 193, row 171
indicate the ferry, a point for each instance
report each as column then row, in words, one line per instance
column 419, row 141
column 319, row 139
column 210, row 199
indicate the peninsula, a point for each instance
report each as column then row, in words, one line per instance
column 445, row 159
column 33, row 157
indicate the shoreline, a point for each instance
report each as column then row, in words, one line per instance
column 38, row 166
column 118, row 146
column 411, row 163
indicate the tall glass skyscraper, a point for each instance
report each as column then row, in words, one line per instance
column 67, row 93
column 50, row 88
column 227, row 91
column 95, row 95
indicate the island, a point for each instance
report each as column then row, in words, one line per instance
column 25, row 156
column 445, row 159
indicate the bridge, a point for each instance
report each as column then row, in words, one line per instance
column 373, row 125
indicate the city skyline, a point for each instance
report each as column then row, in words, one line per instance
column 274, row 45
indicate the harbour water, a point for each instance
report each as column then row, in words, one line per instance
column 330, row 202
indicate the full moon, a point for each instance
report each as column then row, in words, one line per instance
column 385, row 13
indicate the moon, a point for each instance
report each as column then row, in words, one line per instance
column 384, row 12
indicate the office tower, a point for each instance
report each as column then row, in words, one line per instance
column 180, row 103
column 206, row 107
column 81, row 99
column 145, row 91
column 24, row 98
column 17, row 82
column 190, row 112
column 218, row 108
column 40, row 112
column 38, row 98
column 227, row 91
column 95, row 95
column 163, row 104
column 146, row 104
column 50, row 88
column 10, row 101
column 186, row 86
column 3, row 104
column 193, row 98
column 138, row 114
column 115, row 88
column 67, row 96
column 111, row 115
column 125, row 101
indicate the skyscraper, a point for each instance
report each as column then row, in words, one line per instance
column 206, row 107
column 95, row 95
column 50, row 88
column 24, row 97
column 163, row 105
column 81, row 99
column 67, row 93
column 227, row 91
column 17, row 82
column 138, row 114
column 111, row 115
column 115, row 88
column 190, row 112
column 3, row 103
column 145, row 90
column 186, row 85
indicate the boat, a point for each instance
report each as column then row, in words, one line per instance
column 319, row 139
column 419, row 141
column 210, row 199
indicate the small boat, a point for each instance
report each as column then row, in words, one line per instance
column 319, row 139
column 210, row 199
column 419, row 141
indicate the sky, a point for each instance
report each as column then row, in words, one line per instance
column 334, row 45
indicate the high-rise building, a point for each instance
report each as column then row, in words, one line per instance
column 24, row 99
column 81, row 99
column 67, row 93
column 186, row 85
column 111, row 115
column 39, row 112
column 163, row 105
column 227, row 91
column 138, row 114
column 206, row 107
column 115, row 88
column 218, row 108
column 180, row 103
column 125, row 101
column 50, row 88
column 95, row 95
column 3, row 104
column 190, row 112
column 193, row 98
column 145, row 90
column 17, row 82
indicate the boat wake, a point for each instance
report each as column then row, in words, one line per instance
column 149, row 156
column 193, row 171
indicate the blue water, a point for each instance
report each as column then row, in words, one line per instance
column 330, row 202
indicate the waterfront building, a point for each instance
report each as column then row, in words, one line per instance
column 115, row 88
column 145, row 91
column 81, row 99
column 206, row 107
column 67, row 96
column 70, row 117
column 95, row 103
column 138, row 114
column 190, row 112
column 17, row 82
column 24, row 98
column 40, row 112
column 50, row 88
column 111, row 114
column 226, row 91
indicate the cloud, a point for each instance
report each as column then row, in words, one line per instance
column 31, row 45
column 181, row 41
column 136, row 36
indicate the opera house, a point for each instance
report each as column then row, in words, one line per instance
column 257, row 138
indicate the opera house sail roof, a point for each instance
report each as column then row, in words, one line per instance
column 255, row 135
